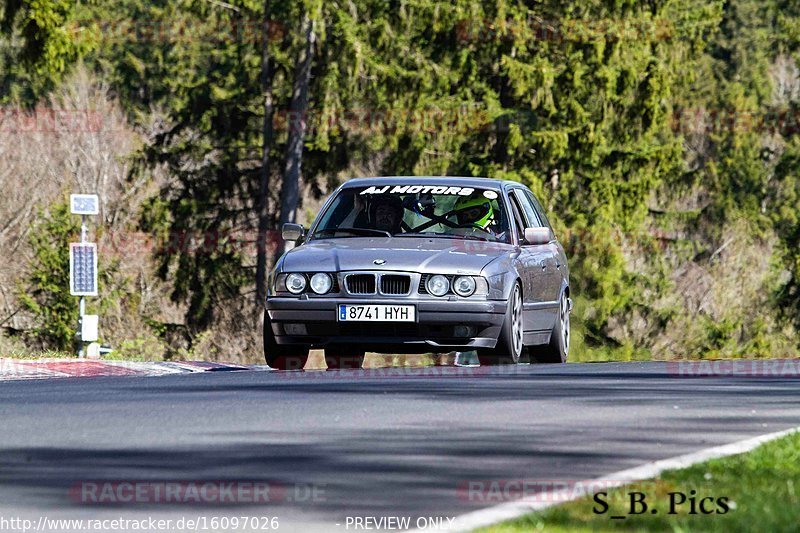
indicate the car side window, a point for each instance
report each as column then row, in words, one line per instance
column 516, row 214
column 538, row 207
column 533, row 220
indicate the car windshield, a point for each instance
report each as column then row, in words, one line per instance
column 415, row 211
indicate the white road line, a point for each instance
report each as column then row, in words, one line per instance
column 540, row 501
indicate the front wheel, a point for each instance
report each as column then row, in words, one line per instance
column 557, row 350
column 509, row 345
column 340, row 357
column 282, row 357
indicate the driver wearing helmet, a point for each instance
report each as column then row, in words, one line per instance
column 474, row 213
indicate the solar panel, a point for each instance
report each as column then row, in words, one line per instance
column 84, row 204
column 83, row 269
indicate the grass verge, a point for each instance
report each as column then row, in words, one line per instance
column 761, row 490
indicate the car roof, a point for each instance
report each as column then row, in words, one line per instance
column 487, row 183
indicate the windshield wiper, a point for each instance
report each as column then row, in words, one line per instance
column 420, row 234
column 355, row 231
column 443, row 235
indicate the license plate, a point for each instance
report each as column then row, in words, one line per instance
column 376, row 313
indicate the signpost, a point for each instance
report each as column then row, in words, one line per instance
column 83, row 271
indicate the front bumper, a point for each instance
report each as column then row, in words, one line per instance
column 451, row 324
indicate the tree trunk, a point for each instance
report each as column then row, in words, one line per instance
column 290, row 189
column 262, row 204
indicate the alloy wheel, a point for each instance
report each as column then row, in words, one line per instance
column 516, row 324
column 565, row 323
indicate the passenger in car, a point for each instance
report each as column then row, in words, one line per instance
column 387, row 213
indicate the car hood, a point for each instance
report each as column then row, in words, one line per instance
column 406, row 254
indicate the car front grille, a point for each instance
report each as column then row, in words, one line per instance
column 395, row 284
column 360, row 283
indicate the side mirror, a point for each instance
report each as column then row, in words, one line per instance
column 292, row 232
column 538, row 235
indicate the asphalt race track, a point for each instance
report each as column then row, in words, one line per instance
column 363, row 443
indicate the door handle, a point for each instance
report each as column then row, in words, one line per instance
column 544, row 265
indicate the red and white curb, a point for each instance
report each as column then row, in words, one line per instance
column 16, row 369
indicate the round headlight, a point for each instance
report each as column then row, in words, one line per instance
column 295, row 283
column 437, row 285
column 464, row 285
column 320, row 283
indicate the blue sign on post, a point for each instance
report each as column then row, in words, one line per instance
column 84, row 204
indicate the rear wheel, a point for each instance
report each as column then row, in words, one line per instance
column 342, row 356
column 281, row 356
column 557, row 350
column 509, row 345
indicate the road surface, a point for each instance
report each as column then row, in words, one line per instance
column 339, row 445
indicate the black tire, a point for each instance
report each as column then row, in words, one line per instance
column 557, row 350
column 509, row 344
column 342, row 356
column 282, row 356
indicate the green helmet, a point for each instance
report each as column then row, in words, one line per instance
column 475, row 210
